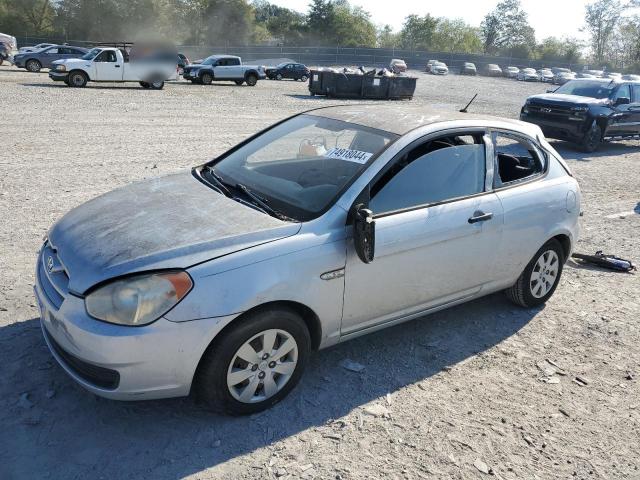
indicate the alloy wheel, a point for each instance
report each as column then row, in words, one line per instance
column 544, row 274
column 262, row 366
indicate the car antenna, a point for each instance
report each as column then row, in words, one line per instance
column 464, row 110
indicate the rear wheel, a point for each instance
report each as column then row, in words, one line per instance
column 145, row 85
column 252, row 79
column 540, row 277
column 255, row 364
column 33, row 66
column 206, row 78
column 78, row 79
column 279, row 76
column 592, row 139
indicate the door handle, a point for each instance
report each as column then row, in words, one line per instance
column 479, row 216
column 116, row 66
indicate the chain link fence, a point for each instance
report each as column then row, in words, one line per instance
column 336, row 56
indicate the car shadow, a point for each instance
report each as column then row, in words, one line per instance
column 338, row 99
column 47, row 418
column 88, row 86
column 570, row 151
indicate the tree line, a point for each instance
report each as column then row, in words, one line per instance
column 504, row 31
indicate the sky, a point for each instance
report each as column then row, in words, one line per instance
column 559, row 18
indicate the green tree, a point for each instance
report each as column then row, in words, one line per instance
column 33, row 17
column 601, row 19
column 456, row 36
column 387, row 38
column 417, row 32
column 555, row 49
column 506, row 30
column 336, row 22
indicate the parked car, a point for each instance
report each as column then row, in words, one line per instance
column 527, row 75
column 492, row 70
column 511, row 72
column 563, row 77
column 4, row 53
column 44, row 58
column 587, row 111
column 112, row 64
column 468, row 68
column 397, row 65
column 292, row 71
column 329, row 225
column 35, row 48
column 558, row 70
column 592, row 73
column 439, row 68
column 585, row 75
column 545, row 75
column 183, row 61
column 429, row 63
column 612, row 75
column 630, row 77
column 224, row 68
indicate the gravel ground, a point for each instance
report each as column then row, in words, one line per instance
column 481, row 389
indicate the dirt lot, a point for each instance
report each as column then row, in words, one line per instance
column 481, row 387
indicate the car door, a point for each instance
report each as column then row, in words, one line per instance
column 50, row 55
column 289, row 71
column 634, row 111
column 108, row 67
column 437, row 224
column 621, row 120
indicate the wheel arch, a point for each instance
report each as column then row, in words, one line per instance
column 565, row 242
column 251, row 72
column 79, row 70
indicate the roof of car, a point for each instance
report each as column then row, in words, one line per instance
column 400, row 119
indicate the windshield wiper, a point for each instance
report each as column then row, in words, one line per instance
column 220, row 184
column 262, row 203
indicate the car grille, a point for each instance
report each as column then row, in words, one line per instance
column 52, row 277
column 98, row 376
column 549, row 110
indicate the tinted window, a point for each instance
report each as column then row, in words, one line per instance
column 636, row 93
column 623, row 91
column 435, row 171
column 587, row 88
column 51, row 51
column 516, row 159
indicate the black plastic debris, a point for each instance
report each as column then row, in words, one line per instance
column 606, row 261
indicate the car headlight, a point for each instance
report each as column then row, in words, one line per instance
column 61, row 68
column 138, row 300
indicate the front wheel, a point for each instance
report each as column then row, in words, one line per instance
column 592, row 139
column 78, row 79
column 239, row 82
column 157, row 85
column 145, row 85
column 206, row 78
column 251, row 79
column 255, row 364
column 540, row 277
column 33, row 66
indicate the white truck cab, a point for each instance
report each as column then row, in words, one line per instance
column 112, row 64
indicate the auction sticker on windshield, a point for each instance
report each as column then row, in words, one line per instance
column 349, row 155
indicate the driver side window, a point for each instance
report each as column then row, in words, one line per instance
column 106, row 56
column 623, row 92
column 435, row 171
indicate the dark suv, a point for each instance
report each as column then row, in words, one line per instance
column 295, row 71
column 587, row 111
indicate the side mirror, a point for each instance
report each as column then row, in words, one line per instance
column 623, row 101
column 364, row 233
column 552, row 90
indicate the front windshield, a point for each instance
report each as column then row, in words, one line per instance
column 592, row 89
column 91, row 54
column 282, row 65
column 300, row 166
column 209, row 61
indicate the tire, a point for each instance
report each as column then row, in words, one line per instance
column 537, row 283
column 157, row 84
column 34, row 66
column 206, row 78
column 304, row 78
column 592, row 139
column 77, row 79
column 214, row 383
column 252, row 79
column 239, row 82
column 145, row 85
column 279, row 76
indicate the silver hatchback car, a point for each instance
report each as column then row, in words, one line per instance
column 328, row 225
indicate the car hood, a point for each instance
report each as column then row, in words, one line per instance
column 168, row 222
column 72, row 61
column 566, row 100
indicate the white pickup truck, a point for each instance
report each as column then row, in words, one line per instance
column 223, row 68
column 114, row 65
